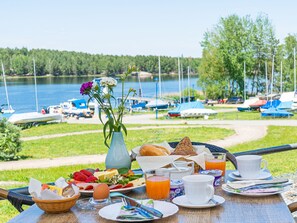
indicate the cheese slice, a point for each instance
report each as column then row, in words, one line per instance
column 138, row 182
column 103, row 175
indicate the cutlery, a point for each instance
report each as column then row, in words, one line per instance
column 142, row 212
column 135, row 203
column 243, row 184
column 265, row 186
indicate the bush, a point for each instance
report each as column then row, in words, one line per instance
column 10, row 143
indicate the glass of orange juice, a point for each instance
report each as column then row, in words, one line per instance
column 157, row 184
column 216, row 161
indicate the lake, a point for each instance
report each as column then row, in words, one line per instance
column 53, row 90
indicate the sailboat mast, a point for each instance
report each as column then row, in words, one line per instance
column 5, row 86
column 188, row 83
column 160, row 91
column 140, row 88
column 272, row 76
column 182, row 77
column 179, row 85
column 281, row 78
column 294, row 69
column 244, row 93
column 36, row 98
column 266, row 79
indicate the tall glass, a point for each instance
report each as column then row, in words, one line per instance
column 216, row 161
column 157, row 185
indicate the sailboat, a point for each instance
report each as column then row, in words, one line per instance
column 158, row 103
column 6, row 108
column 34, row 117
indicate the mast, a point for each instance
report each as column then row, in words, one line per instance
column 5, row 86
column 281, row 78
column 244, row 93
column 160, row 91
column 188, row 83
column 179, row 85
column 182, row 77
column 266, row 79
column 36, row 98
column 294, row 69
column 272, row 76
column 140, row 88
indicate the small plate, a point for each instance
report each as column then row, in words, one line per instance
column 111, row 212
column 183, row 202
column 230, row 190
column 262, row 176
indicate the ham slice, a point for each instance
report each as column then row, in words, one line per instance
column 87, row 186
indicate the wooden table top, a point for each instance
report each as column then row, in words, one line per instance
column 236, row 208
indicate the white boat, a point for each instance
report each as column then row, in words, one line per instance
column 160, row 104
column 76, row 107
column 246, row 105
column 5, row 109
column 197, row 112
column 34, row 117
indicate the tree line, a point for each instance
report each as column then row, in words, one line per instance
column 68, row 63
column 236, row 41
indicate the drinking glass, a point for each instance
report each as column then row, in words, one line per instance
column 216, row 161
column 157, row 184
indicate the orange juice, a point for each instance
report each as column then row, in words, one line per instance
column 216, row 164
column 157, row 187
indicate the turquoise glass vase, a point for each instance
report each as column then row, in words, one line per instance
column 117, row 156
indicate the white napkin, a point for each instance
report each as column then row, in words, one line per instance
column 35, row 189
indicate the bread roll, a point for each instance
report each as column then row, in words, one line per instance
column 184, row 147
column 153, row 150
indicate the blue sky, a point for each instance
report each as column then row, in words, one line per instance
column 129, row 27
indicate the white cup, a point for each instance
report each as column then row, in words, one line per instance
column 249, row 166
column 198, row 188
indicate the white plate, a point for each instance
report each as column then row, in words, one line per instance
column 229, row 190
column 183, row 202
column 262, row 176
column 122, row 190
column 111, row 212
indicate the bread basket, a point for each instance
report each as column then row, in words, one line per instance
column 56, row 206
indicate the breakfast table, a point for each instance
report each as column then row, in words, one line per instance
column 236, row 208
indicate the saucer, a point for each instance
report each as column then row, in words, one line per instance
column 262, row 176
column 183, row 202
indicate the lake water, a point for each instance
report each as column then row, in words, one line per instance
column 53, row 91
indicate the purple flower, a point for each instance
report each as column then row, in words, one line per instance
column 86, row 88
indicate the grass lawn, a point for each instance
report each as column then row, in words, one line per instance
column 57, row 128
column 88, row 144
column 278, row 163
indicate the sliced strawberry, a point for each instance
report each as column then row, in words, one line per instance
column 91, row 179
column 86, row 172
column 117, row 186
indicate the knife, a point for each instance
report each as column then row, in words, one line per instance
column 243, row 184
column 150, row 210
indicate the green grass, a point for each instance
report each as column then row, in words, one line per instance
column 278, row 163
column 58, row 128
column 88, row 144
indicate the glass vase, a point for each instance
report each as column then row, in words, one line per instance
column 117, row 156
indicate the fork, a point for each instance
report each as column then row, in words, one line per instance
column 142, row 212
